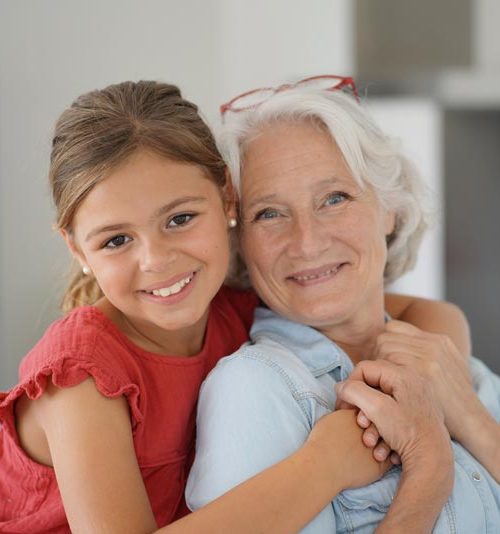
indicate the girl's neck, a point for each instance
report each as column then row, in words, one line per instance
column 151, row 338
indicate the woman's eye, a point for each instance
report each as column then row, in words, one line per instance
column 117, row 241
column 336, row 198
column 265, row 214
column 180, row 220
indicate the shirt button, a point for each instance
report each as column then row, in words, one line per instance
column 476, row 476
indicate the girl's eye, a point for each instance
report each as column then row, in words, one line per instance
column 336, row 198
column 180, row 220
column 265, row 214
column 117, row 241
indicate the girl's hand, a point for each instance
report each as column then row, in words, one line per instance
column 358, row 466
column 372, row 439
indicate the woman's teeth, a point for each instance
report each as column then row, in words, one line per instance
column 173, row 289
column 315, row 276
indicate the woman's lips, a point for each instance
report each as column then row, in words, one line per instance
column 318, row 275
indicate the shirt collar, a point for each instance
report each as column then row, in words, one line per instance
column 319, row 353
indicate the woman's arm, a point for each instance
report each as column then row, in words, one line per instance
column 433, row 316
column 411, row 423
column 436, row 360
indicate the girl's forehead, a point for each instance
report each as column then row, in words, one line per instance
column 137, row 190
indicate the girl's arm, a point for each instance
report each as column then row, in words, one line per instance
column 92, row 452
column 285, row 497
column 91, row 449
column 434, row 316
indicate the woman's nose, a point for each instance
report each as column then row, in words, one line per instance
column 308, row 238
column 156, row 256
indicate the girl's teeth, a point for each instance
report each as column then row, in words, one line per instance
column 172, row 290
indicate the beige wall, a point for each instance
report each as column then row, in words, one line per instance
column 53, row 50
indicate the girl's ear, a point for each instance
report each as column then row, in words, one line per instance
column 230, row 196
column 73, row 248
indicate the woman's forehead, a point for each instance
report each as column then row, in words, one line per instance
column 293, row 152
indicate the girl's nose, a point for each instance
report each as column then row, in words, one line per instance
column 156, row 256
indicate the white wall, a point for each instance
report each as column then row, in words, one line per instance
column 53, row 50
column 417, row 123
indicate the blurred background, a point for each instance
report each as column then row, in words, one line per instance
column 430, row 72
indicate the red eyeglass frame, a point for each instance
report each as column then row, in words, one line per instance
column 342, row 81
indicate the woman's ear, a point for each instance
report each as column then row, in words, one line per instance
column 73, row 248
column 389, row 223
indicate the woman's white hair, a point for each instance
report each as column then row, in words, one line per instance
column 374, row 159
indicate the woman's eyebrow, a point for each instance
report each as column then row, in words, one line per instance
column 158, row 213
column 261, row 200
column 273, row 197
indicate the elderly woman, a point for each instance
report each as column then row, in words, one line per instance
column 331, row 212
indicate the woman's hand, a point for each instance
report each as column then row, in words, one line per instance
column 411, row 422
column 437, row 361
column 399, row 404
column 434, row 358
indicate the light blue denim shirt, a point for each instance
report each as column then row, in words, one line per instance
column 259, row 405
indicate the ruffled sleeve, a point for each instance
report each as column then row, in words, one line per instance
column 77, row 347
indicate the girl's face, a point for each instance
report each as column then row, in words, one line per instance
column 155, row 235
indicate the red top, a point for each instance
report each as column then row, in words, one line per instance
column 161, row 391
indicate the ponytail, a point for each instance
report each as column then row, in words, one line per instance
column 82, row 290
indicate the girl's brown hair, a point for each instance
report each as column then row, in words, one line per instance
column 101, row 130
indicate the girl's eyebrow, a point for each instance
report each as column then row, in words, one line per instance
column 158, row 213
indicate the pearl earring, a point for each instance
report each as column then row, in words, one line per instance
column 232, row 222
column 86, row 270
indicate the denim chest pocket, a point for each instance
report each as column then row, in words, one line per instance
column 360, row 510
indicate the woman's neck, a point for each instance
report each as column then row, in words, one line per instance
column 357, row 336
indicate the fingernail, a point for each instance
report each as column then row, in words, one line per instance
column 363, row 420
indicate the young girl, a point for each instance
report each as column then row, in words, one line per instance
column 98, row 435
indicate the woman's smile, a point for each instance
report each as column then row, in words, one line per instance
column 320, row 275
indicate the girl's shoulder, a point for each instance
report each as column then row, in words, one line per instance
column 82, row 344
column 76, row 335
column 241, row 302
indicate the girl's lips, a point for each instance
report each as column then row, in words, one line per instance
column 176, row 297
column 170, row 282
column 322, row 274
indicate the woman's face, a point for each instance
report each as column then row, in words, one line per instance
column 314, row 241
column 155, row 235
